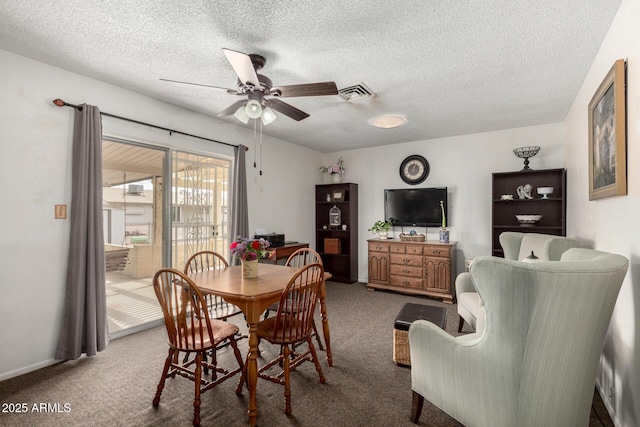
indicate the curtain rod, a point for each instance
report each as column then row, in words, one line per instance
column 60, row 103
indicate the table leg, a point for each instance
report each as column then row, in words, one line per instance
column 252, row 373
column 325, row 324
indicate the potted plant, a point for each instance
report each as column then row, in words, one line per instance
column 381, row 228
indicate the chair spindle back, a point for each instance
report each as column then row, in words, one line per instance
column 205, row 260
column 294, row 320
column 302, row 257
column 184, row 309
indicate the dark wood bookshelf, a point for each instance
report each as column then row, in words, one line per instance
column 343, row 266
column 553, row 209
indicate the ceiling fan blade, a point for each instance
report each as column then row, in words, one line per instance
column 310, row 89
column 286, row 109
column 231, row 109
column 229, row 91
column 242, row 65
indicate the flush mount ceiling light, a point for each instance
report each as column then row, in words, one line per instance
column 388, row 122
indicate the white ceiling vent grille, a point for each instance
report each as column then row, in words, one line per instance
column 356, row 92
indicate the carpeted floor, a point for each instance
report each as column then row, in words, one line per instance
column 116, row 387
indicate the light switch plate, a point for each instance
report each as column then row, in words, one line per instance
column 61, row 212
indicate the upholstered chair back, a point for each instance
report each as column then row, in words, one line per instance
column 546, row 247
column 535, row 361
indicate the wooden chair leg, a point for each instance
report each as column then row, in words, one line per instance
column 197, row 379
column 314, row 356
column 315, row 332
column 460, row 323
column 243, row 378
column 236, row 353
column 163, row 378
column 416, row 407
column 287, row 381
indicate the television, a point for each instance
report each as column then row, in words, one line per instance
column 418, row 207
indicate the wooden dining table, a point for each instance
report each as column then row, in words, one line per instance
column 253, row 296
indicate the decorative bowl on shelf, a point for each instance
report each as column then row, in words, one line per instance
column 528, row 220
column 526, row 153
column 545, row 191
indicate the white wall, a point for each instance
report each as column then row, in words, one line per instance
column 282, row 199
column 464, row 164
column 35, row 169
column 612, row 224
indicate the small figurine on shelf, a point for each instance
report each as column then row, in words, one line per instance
column 524, row 191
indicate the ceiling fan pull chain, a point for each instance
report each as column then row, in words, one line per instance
column 260, row 147
column 254, row 144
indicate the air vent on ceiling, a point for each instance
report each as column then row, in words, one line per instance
column 353, row 93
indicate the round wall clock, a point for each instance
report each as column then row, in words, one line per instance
column 414, row 169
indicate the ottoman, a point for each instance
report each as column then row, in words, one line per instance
column 408, row 314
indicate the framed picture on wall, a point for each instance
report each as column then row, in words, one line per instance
column 607, row 136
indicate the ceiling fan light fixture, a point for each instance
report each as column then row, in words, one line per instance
column 388, row 121
column 268, row 116
column 253, row 109
column 241, row 115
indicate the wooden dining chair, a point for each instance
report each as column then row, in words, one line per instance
column 299, row 259
column 191, row 330
column 292, row 325
column 209, row 260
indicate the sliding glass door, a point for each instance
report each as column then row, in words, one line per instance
column 147, row 226
column 132, row 176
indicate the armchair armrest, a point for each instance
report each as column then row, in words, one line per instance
column 464, row 283
column 511, row 242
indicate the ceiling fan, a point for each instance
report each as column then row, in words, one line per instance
column 259, row 95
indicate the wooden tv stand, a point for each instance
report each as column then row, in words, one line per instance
column 419, row 268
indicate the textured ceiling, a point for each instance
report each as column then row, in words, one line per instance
column 451, row 68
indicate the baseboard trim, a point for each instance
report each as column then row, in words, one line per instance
column 604, row 396
column 49, row 362
column 27, row 369
column 135, row 329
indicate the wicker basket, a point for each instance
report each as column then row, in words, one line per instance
column 401, row 352
column 414, row 238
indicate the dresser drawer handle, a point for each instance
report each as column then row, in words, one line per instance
column 406, row 260
column 405, row 282
column 406, row 271
column 436, row 252
column 378, row 247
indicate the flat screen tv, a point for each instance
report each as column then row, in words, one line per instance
column 418, row 207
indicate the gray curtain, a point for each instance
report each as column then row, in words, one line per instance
column 84, row 323
column 239, row 207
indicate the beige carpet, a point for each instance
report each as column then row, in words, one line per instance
column 116, row 387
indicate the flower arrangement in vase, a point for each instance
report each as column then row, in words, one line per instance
column 336, row 170
column 249, row 251
column 444, row 233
